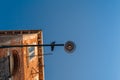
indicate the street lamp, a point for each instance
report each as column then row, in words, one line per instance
column 69, row 46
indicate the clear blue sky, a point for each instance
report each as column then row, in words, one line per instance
column 94, row 25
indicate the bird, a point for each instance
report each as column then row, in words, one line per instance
column 52, row 46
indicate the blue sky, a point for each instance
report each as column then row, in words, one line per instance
column 94, row 25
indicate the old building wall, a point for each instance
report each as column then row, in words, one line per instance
column 13, row 40
column 26, row 67
column 30, row 65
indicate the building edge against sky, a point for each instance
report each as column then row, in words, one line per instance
column 26, row 63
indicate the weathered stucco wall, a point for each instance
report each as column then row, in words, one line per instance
column 26, row 68
column 13, row 40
